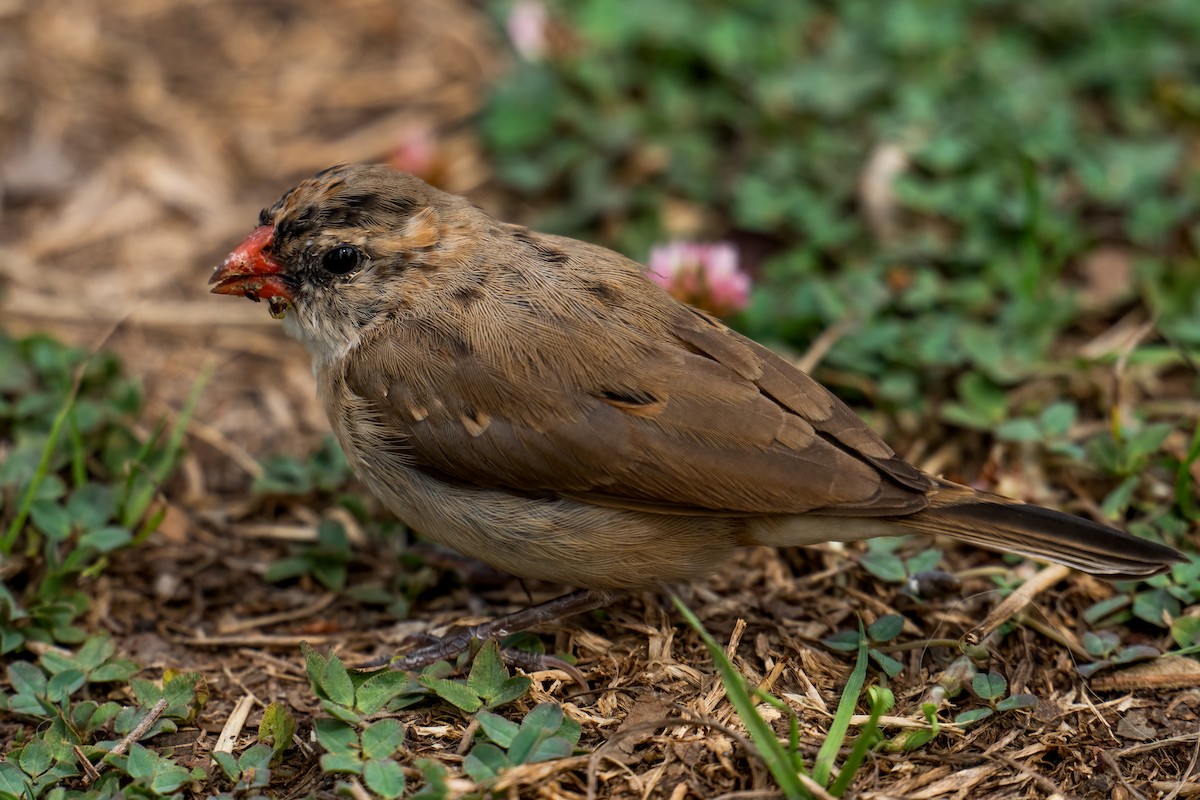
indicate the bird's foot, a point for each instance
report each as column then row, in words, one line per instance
column 452, row 645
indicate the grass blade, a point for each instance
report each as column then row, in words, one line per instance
column 43, row 467
column 882, row 701
column 773, row 754
column 836, row 737
column 138, row 497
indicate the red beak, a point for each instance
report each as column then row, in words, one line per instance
column 251, row 270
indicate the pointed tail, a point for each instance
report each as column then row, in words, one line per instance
column 997, row 523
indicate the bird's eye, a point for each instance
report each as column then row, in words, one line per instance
column 341, row 259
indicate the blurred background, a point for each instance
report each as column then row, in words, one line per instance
column 978, row 223
column 950, row 199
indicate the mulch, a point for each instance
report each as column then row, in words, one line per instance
column 140, row 139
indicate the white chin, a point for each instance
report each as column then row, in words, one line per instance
column 322, row 346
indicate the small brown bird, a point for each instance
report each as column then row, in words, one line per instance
column 535, row 402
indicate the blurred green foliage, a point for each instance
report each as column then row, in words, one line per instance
column 76, row 483
column 1033, row 132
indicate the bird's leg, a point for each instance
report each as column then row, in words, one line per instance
column 449, row 646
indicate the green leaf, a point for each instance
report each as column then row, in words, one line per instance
column 1115, row 503
column 382, row 738
column 277, row 728
column 1057, row 418
column 336, row 683
column 330, row 574
column 1137, row 652
column 885, row 566
column 880, row 701
column 453, row 692
column 179, row 690
column 65, row 684
column 1099, row 611
column 889, row 665
column 1019, row 430
column 1147, row 441
column 341, row 763
column 384, row 778
column 1100, row 644
column 141, row 763
column 989, row 685
column 332, row 536
column 1184, row 630
column 972, row 716
column 94, row 652
column 914, row 739
column 26, row 678
column 488, row 672
column 1156, row 606
column 256, row 757
column 117, row 670
column 924, row 561
column 570, row 730
column 485, row 762
column 81, row 714
column 56, row 661
column 550, row 749
column 13, row 781
column 539, row 724
column 376, row 691
column 846, row 641
column 51, row 518
column 336, row 736
column 104, row 713
column 1088, row 670
column 512, row 689
column 498, row 729
column 1017, row 701
column 314, row 667
column 346, row 715
column 287, row 568
column 435, row 776
column 92, row 505
column 36, row 758
column 228, row 764
column 885, row 628
column 106, row 539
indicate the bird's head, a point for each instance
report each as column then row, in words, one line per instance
column 342, row 248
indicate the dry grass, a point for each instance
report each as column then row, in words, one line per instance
column 140, row 138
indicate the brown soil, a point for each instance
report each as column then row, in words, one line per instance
column 139, row 140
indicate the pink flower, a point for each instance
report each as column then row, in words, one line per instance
column 417, row 152
column 526, row 26
column 705, row 275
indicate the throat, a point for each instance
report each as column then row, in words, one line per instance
column 326, row 343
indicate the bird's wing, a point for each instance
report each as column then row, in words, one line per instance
column 622, row 397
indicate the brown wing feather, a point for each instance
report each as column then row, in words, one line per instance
column 670, row 410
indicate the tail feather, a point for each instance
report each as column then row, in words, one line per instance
column 997, row 523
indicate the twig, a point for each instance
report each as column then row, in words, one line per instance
column 140, row 729
column 1183, row 779
column 823, row 343
column 1107, row 758
column 90, row 773
column 817, row 790
column 1015, row 602
column 267, row 620
column 233, row 726
column 356, row 790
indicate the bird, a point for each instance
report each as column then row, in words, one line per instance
column 535, row 402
